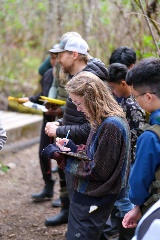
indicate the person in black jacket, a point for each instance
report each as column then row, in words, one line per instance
column 46, row 83
column 60, row 80
column 73, row 57
column 57, row 90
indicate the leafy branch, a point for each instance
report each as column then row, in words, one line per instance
column 150, row 9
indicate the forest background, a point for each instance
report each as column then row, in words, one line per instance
column 29, row 28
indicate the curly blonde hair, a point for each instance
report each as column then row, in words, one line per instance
column 97, row 97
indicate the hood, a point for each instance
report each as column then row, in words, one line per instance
column 98, row 68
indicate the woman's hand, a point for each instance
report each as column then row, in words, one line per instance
column 61, row 143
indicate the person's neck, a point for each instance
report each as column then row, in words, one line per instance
column 155, row 105
column 128, row 92
column 78, row 68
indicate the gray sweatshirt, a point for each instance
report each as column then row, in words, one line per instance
column 3, row 136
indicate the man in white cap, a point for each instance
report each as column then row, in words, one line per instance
column 70, row 51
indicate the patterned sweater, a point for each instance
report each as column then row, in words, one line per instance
column 135, row 116
column 101, row 179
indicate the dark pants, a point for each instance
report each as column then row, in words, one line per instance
column 63, row 187
column 45, row 163
column 70, row 184
column 83, row 225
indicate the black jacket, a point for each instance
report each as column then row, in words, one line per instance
column 75, row 120
column 46, row 83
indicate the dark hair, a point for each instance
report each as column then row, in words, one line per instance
column 117, row 72
column 145, row 76
column 124, row 55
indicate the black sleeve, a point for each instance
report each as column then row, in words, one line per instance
column 78, row 133
column 35, row 98
column 45, row 83
column 60, row 121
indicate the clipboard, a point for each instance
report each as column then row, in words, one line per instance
column 18, row 100
column 77, row 155
column 53, row 100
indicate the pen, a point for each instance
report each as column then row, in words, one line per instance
column 66, row 138
column 67, row 134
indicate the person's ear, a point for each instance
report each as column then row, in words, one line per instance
column 149, row 97
column 123, row 82
column 131, row 66
column 75, row 55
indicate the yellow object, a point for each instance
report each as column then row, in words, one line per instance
column 52, row 100
column 18, row 100
column 147, row 116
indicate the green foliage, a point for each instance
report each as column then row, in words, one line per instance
column 104, row 7
column 148, row 41
column 23, row 64
column 147, row 44
column 31, row 63
column 104, row 20
column 3, row 168
column 41, row 6
column 13, row 106
column 75, row 6
column 126, row 2
column 20, row 41
column 27, row 28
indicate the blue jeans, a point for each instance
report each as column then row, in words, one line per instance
column 124, row 205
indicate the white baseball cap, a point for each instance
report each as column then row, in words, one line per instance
column 73, row 43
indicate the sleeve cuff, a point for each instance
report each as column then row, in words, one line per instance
column 60, row 121
column 72, row 146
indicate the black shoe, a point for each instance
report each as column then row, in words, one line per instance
column 105, row 236
column 45, row 194
column 57, row 203
column 55, row 169
column 59, row 219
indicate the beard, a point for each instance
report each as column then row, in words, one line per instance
column 67, row 69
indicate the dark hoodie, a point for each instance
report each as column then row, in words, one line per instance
column 75, row 120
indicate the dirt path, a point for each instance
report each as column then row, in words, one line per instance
column 20, row 218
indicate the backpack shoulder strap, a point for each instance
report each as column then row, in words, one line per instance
column 154, row 128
